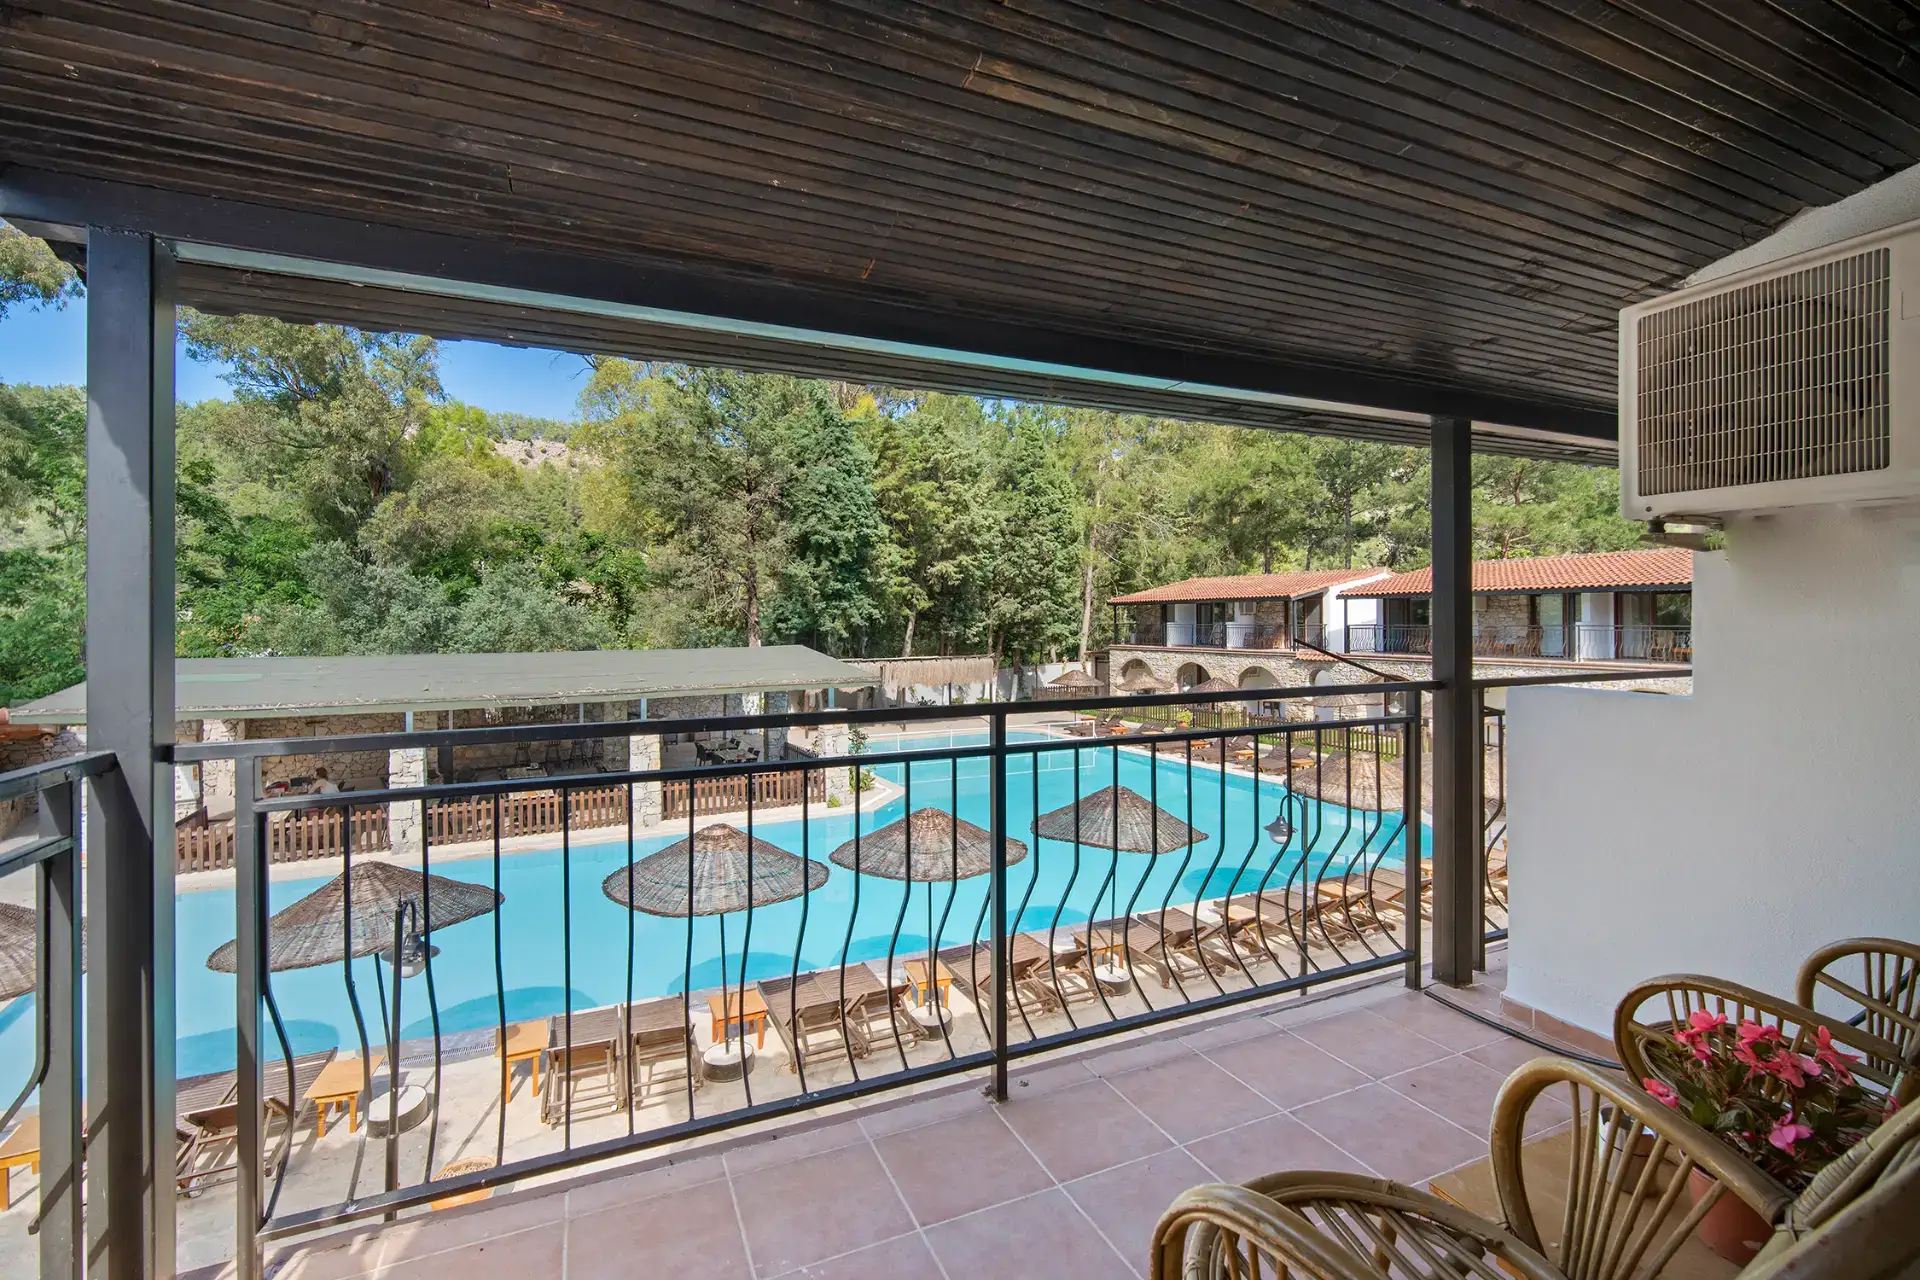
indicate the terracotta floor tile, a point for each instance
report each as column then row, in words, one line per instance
column 1226, row 1031
column 1043, row 1235
column 345, row 1261
column 923, row 1111
column 1286, row 1069
column 1436, row 1022
column 1268, row 1146
column 1082, row 1130
column 1048, row 1077
column 537, row 1252
column 432, row 1233
column 960, row 1165
column 694, row 1231
column 1370, row 1043
column 1132, row 1057
column 902, row 1258
column 1394, row 1137
column 1126, row 1202
column 782, row 1148
column 1463, row 1091
column 1507, row 1055
column 818, row 1207
column 1190, row 1097
column 645, row 1184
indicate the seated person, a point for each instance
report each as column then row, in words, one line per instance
column 322, row 784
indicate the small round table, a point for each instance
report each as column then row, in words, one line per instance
column 397, row 1111
column 929, row 1018
column 728, row 1060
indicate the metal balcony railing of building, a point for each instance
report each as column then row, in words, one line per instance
column 1249, row 862
column 53, row 857
column 1582, row 642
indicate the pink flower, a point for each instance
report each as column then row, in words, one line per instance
column 1700, row 1025
column 1790, row 1069
column 1787, row 1132
column 1661, row 1092
column 1751, row 1032
column 1824, row 1050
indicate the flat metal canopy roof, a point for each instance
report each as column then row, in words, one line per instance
column 1336, row 216
column 252, row 688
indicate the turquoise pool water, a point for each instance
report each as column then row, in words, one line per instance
column 1052, row 882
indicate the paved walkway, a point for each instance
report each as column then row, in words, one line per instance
column 1066, row 1180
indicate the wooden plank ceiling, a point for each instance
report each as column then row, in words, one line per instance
column 1448, row 197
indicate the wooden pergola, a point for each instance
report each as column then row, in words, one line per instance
column 1385, row 219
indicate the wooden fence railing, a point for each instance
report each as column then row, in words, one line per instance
column 525, row 813
column 291, row 837
column 729, row 795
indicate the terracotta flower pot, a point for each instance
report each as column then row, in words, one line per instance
column 1731, row 1228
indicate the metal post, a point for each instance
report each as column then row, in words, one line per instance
column 249, row 898
column 1477, row 865
column 130, row 712
column 1456, row 810
column 61, row 1136
column 1410, row 799
column 1002, row 979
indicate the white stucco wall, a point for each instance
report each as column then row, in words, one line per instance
column 1732, row 831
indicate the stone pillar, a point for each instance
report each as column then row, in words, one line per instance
column 777, row 704
column 216, row 776
column 406, row 767
column 643, row 752
column 833, row 740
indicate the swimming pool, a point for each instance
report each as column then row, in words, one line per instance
column 854, row 915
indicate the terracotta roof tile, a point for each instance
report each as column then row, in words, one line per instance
column 1248, row 586
column 1599, row 571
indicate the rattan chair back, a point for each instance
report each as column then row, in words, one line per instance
column 1879, row 981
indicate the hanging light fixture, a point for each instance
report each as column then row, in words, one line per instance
column 1280, row 829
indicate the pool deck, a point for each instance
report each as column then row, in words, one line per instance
column 1066, row 1178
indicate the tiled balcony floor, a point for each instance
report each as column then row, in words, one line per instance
column 1065, row 1180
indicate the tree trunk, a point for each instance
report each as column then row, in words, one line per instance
column 1266, row 558
column 753, row 594
column 906, row 648
column 1086, row 602
column 1347, row 543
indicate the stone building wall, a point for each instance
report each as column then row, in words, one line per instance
column 1503, row 611
column 353, row 770
column 32, row 749
column 1293, row 671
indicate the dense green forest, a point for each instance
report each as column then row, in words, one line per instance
column 340, row 502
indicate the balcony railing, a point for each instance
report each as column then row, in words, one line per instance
column 1207, row 635
column 1581, row 642
column 674, row 980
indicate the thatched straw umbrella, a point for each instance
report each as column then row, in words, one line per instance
column 314, row 930
column 725, row 872
column 19, row 950
column 1073, row 678
column 722, row 859
column 1216, row 684
column 926, row 846
column 1143, row 682
column 1121, row 819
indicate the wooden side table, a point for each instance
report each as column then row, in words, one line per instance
column 338, row 1086
column 751, row 1015
column 526, row 1042
column 21, row 1150
column 943, row 981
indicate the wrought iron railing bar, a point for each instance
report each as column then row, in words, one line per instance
column 686, row 980
column 906, row 898
column 1311, row 896
column 1001, row 969
column 433, row 995
column 1411, row 752
column 1233, row 886
column 60, row 1217
column 500, row 997
column 1099, row 891
column 953, row 892
column 1124, row 919
column 193, row 752
column 353, row 993
column 626, row 1002
column 1012, row 921
column 799, row 940
column 566, row 971
column 746, row 950
column 1053, row 925
column 846, row 942
column 28, row 856
column 32, row 779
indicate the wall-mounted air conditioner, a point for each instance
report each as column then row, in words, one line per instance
column 1787, row 385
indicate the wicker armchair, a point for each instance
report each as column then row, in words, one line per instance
column 1624, row 1219
column 1630, row 1162
column 1886, row 992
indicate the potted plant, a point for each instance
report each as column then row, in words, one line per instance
column 1788, row 1111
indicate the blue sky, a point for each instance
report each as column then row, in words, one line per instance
column 51, row 347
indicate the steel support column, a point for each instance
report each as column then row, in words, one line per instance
column 1456, row 809
column 130, row 857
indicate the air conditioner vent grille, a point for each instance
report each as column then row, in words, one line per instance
column 1784, row 379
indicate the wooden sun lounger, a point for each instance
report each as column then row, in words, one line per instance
column 659, row 1041
column 207, row 1126
column 819, row 1016
column 1026, row 967
column 583, row 1063
column 1214, row 943
column 1131, row 940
